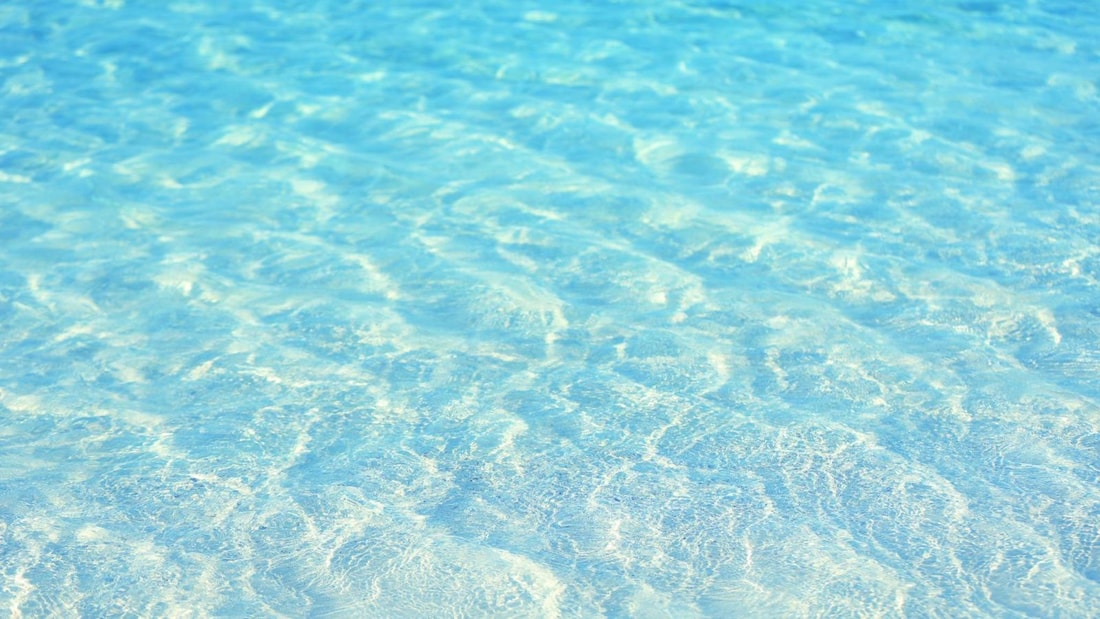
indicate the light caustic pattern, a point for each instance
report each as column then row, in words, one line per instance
column 571, row 309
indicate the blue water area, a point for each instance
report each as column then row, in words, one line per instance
column 636, row 308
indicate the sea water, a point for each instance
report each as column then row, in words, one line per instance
column 490, row 308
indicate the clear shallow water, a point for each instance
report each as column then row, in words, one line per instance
column 628, row 309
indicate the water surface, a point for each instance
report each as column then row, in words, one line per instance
column 640, row 308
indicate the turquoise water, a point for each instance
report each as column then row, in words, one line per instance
column 567, row 309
